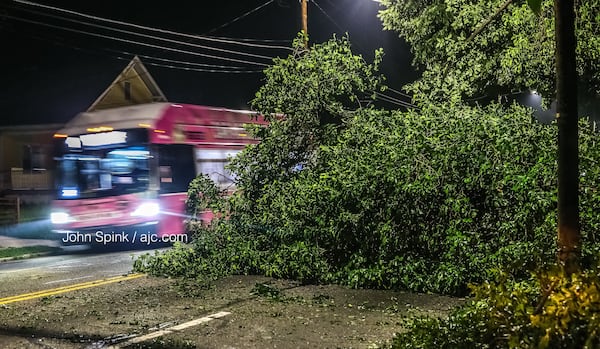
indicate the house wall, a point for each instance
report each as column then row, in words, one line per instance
column 23, row 145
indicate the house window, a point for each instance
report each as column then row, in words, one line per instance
column 34, row 157
column 127, row 90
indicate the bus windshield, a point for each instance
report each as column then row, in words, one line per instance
column 104, row 172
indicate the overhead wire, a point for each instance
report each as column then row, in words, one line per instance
column 204, row 70
column 223, row 68
column 209, row 68
column 127, row 56
column 403, row 95
column 155, row 37
column 329, row 17
column 393, row 100
column 220, row 68
column 243, row 42
column 240, row 17
column 399, row 92
column 184, row 62
column 137, row 42
column 383, row 97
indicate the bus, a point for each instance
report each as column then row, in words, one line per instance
column 122, row 174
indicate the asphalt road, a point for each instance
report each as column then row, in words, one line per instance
column 35, row 274
column 90, row 300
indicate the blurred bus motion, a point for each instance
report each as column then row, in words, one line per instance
column 123, row 173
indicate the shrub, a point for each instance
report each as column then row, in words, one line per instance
column 428, row 200
column 416, row 201
column 513, row 314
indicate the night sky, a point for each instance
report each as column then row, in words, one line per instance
column 52, row 68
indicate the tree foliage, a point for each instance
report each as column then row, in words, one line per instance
column 514, row 52
column 427, row 200
column 424, row 201
column 307, row 97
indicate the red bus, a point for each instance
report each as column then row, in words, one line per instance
column 123, row 173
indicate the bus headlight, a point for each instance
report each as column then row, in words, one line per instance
column 147, row 209
column 69, row 192
column 60, row 218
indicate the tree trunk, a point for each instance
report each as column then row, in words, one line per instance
column 568, row 150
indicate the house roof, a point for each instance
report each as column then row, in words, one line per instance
column 134, row 85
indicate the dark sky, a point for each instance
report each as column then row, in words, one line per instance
column 52, row 68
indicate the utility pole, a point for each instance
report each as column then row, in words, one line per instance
column 569, row 236
column 305, row 21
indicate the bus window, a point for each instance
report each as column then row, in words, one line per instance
column 128, row 168
column 176, row 169
column 212, row 162
column 89, row 174
column 104, row 173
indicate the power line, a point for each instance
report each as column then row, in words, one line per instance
column 329, row 17
column 129, row 56
column 155, row 37
column 163, row 31
column 204, row 70
column 240, row 17
column 138, row 43
column 399, row 92
column 231, row 68
column 406, row 104
column 395, row 101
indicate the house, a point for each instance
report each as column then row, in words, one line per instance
column 26, row 159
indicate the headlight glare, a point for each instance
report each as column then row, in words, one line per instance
column 147, row 209
column 60, row 218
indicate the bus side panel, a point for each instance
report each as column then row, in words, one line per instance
column 176, row 171
column 172, row 217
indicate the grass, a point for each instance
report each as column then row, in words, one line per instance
column 16, row 252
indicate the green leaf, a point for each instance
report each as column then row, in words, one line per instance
column 535, row 5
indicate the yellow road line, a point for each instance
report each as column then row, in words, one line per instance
column 63, row 289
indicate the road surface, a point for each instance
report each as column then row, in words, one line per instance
column 35, row 274
column 80, row 306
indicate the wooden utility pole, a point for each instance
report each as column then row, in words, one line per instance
column 569, row 236
column 305, row 21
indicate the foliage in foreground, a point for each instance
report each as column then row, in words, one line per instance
column 427, row 200
column 513, row 314
column 416, row 201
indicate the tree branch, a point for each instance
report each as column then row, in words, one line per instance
column 489, row 19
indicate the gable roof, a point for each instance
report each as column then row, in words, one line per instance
column 134, row 85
